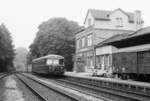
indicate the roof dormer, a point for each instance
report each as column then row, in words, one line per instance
column 112, row 19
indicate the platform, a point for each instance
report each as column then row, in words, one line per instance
column 79, row 74
column 89, row 76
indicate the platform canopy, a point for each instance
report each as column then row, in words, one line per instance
column 139, row 37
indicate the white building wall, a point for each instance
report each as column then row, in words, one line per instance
column 105, row 50
column 111, row 24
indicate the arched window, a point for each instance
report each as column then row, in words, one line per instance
column 89, row 40
column 83, row 42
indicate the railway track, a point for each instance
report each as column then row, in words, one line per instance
column 2, row 75
column 109, row 92
column 85, row 91
column 47, row 93
column 32, row 89
column 113, row 93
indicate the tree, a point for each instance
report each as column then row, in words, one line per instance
column 20, row 59
column 6, row 50
column 56, row 36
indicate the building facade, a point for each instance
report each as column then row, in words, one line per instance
column 99, row 26
column 124, row 54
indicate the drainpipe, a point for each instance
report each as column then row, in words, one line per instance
column 94, row 50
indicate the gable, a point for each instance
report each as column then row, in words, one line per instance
column 119, row 13
column 89, row 17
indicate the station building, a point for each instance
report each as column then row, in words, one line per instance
column 100, row 25
column 131, row 51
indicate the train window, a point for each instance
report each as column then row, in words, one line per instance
column 49, row 62
column 55, row 62
column 61, row 61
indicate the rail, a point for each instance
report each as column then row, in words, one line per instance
column 60, row 92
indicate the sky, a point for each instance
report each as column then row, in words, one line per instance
column 22, row 17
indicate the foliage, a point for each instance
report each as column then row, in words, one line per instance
column 56, row 36
column 6, row 50
column 20, row 58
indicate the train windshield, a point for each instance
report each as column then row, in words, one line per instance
column 49, row 62
column 52, row 62
column 56, row 62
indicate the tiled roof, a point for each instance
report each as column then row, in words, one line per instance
column 131, row 16
column 119, row 37
column 104, row 14
column 100, row 14
column 90, row 28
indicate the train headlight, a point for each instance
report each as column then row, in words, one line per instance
column 61, row 67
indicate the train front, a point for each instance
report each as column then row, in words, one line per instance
column 56, row 66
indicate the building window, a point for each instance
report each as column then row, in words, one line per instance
column 103, row 62
column 80, row 43
column 89, row 40
column 119, row 21
column 89, row 22
column 77, row 44
column 83, row 42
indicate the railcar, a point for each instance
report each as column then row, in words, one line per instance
column 134, row 65
column 125, row 63
column 50, row 65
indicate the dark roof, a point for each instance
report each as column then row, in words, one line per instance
column 104, row 14
column 120, row 37
column 114, row 38
column 140, row 32
column 80, row 30
column 131, row 16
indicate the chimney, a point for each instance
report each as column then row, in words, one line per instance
column 137, row 20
